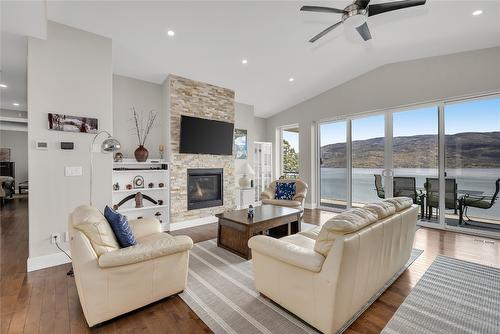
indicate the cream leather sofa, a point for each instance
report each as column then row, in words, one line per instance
column 326, row 274
column 267, row 196
column 112, row 280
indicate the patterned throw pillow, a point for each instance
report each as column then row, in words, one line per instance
column 285, row 190
column 120, row 227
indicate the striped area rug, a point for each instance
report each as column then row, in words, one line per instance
column 453, row 296
column 221, row 292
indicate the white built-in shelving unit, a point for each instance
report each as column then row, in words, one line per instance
column 153, row 171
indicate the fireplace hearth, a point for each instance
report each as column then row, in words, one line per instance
column 204, row 188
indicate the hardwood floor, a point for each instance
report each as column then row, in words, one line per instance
column 46, row 301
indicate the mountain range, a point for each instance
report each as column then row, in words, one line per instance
column 463, row 150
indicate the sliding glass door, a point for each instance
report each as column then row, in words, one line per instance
column 415, row 159
column 446, row 157
column 333, row 173
column 472, row 160
column 367, row 159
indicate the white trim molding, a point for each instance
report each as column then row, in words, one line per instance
column 193, row 223
column 46, row 261
column 310, row 206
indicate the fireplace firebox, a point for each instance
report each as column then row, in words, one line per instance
column 204, row 188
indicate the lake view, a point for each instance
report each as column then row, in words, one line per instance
column 333, row 184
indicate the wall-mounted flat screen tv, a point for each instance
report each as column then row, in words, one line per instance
column 204, row 136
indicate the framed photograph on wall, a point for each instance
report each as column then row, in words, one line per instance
column 4, row 154
column 240, row 144
column 60, row 122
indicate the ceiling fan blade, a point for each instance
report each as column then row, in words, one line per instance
column 364, row 31
column 390, row 6
column 324, row 32
column 362, row 3
column 321, row 9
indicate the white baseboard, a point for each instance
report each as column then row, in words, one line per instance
column 309, row 205
column 192, row 223
column 46, row 261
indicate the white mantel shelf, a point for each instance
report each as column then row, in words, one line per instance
column 140, row 171
column 135, row 190
column 127, row 161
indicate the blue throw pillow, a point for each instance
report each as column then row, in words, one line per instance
column 120, row 227
column 285, row 190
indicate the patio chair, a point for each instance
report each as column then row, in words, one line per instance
column 432, row 195
column 480, row 202
column 405, row 186
column 378, row 186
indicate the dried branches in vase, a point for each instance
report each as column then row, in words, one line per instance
column 142, row 130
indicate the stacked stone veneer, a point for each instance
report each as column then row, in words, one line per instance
column 197, row 99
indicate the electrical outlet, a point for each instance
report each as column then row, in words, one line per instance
column 55, row 237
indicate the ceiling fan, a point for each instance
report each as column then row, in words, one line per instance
column 356, row 14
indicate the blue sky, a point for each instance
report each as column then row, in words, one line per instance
column 471, row 116
column 292, row 138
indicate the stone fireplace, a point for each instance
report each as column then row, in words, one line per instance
column 204, row 188
column 198, row 99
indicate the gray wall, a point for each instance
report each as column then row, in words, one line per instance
column 69, row 73
column 244, row 119
column 256, row 131
column 144, row 96
column 17, row 141
column 390, row 86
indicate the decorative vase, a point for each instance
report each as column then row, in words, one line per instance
column 141, row 154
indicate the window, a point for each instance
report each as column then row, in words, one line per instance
column 289, row 159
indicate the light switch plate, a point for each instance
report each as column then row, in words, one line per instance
column 73, row 171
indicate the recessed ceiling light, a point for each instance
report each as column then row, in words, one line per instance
column 477, row 12
column 291, row 79
column 15, row 104
column 244, row 61
column 3, row 86
column 171, row 33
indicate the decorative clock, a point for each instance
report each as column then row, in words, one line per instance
column 138, row 182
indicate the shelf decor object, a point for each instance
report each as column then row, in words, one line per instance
column 246, row 172
column 138, row 182
column 142, row 130
column 110, row 144
column 161, row 149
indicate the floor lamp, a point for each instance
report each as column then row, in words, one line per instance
column 109, row 145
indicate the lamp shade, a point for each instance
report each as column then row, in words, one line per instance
column 245, row 169
column 110, row 144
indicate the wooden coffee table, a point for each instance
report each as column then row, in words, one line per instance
column 235, row 228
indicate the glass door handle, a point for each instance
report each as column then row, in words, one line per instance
column 387, row 173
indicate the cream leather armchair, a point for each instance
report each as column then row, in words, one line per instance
column 267, row 196
column 326, row 274
column 112, row 281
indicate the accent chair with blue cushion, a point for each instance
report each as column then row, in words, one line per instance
column 113, row 280
column 274, row 195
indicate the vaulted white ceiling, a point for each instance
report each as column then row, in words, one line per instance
column 13, row 53
column 211, row 39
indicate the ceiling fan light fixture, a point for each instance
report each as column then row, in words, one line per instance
column 477, row 12
column 171, row 33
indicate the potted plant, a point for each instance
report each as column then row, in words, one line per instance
column 142, row 129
